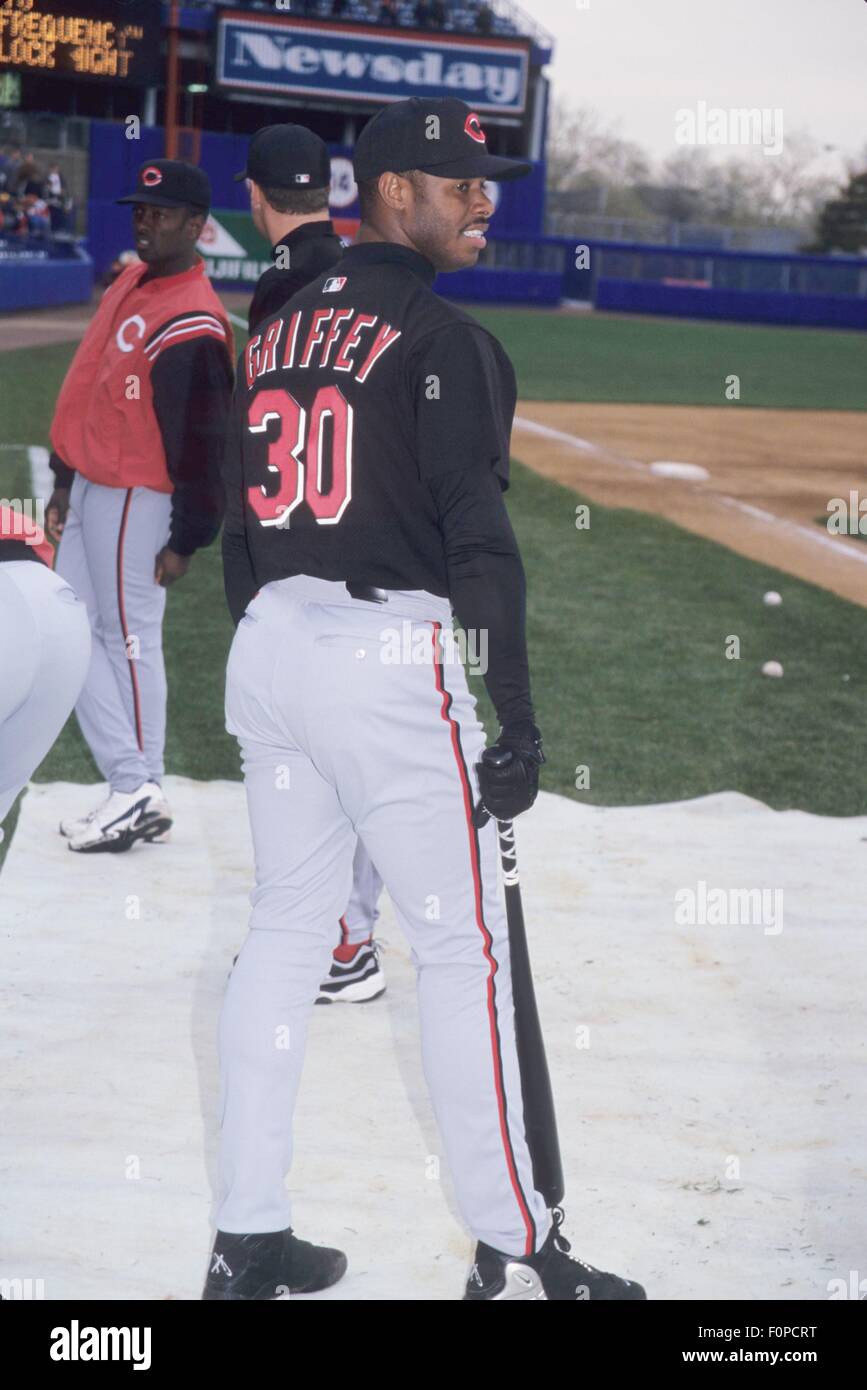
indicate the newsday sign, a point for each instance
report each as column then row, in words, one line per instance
column 357, row 62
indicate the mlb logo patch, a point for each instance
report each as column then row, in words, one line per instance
column 334, row 285
column 302, row 178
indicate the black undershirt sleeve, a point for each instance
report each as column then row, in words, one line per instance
column 239, row 579
column 192, row 388
column 464, row 394
column 486, row 582
column 64, row 476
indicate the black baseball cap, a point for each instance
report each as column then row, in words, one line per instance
column 171, row 183
column 287, row 156
column 402, row 137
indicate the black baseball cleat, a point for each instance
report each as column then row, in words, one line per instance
column 552, row 1273
column 270, row 1266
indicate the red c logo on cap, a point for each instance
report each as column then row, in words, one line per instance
column 150, row 177
column 473, row 128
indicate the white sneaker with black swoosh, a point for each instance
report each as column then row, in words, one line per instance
column 123, row 819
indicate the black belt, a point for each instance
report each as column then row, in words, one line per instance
column 366, row 592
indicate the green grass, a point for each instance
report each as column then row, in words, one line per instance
column 589, row 357
column 628, row 622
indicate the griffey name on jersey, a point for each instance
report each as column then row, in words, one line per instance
column 337, row 338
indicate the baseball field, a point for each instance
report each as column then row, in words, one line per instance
column 706, row 1068
column 633, row 602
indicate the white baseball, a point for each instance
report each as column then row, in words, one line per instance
column 772, row 598
column 772, row 668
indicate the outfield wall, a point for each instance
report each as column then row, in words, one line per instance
column 748, row 287
column 687, row 301
column 34, row 275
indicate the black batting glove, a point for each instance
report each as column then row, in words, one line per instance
column 508, row 773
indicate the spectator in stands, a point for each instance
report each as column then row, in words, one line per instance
column 339, row 8
column 388, row 14
column 29, row 177
column 36, row 212
column 12, row 217
column 437, row 14
column 485, row 19
column 14, row 164
column 56, row 198
column 54, row 185
column 421, row 14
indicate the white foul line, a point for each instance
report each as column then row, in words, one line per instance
column 757, row 513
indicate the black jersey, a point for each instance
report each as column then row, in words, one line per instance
column 313, row 248
column 370, row 444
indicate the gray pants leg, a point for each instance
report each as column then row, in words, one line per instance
column 336, row 745
column 44, row 653
column 110, row 542
column 359, row 920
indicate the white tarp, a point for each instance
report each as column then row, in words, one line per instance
column 712, row 1118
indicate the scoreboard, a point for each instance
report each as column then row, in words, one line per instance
column 115, row 40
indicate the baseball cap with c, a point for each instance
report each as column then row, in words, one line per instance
column 454, row 146
column 287, row 156
column 171, row 183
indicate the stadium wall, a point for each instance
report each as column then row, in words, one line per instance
column 114, row 161
column 686, row 301
column 33, row 277
column 748, row 287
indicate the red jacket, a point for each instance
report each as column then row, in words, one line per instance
column 104, row 423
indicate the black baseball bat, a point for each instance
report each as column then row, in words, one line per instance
column 540, row 1119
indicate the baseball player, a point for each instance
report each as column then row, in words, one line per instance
column 44, row 651
column 288, row 174
column 137, row 439
column 367, row 456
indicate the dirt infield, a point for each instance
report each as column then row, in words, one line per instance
column 771, row 474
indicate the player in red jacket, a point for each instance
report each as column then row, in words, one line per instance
column 137, row 440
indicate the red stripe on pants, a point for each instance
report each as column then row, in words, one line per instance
column 496, row 1056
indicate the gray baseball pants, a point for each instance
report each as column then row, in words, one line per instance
column 44, row 655
column 107, row 553
column 339, row 746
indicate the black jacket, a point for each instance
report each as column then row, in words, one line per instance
column 313, row 248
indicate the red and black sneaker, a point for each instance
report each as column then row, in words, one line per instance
column 552, row 1273
column 356, row 975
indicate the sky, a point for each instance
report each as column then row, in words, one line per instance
column 637, row 62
